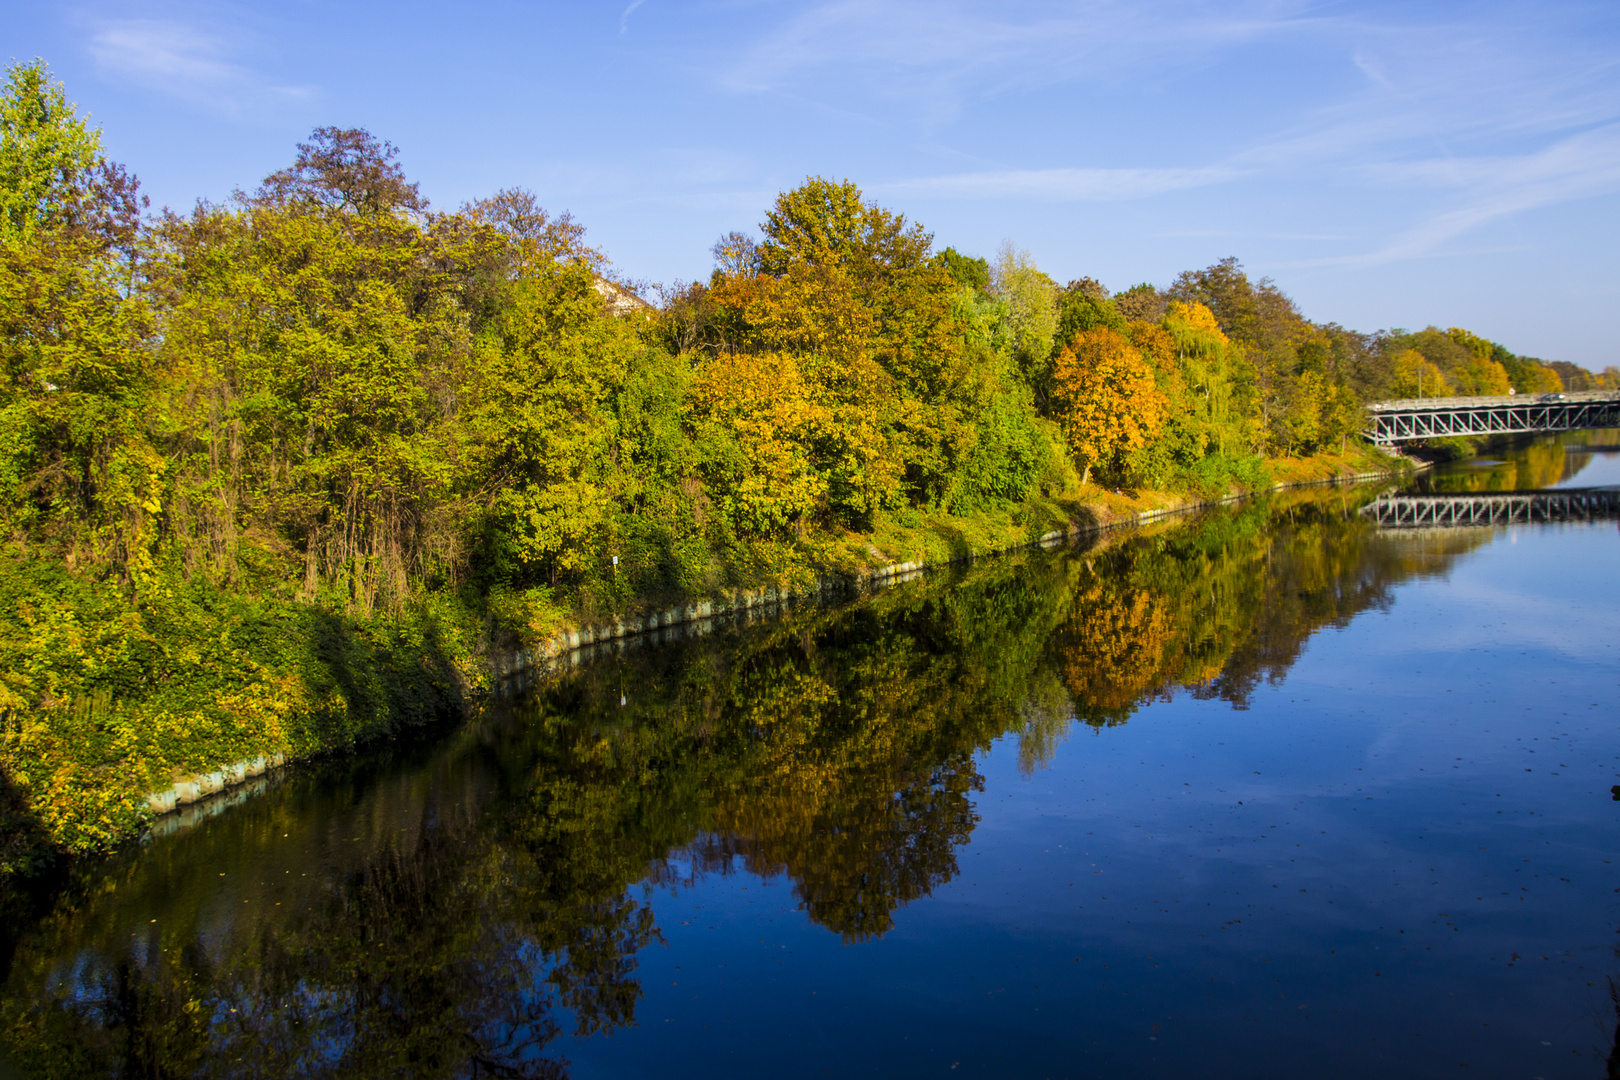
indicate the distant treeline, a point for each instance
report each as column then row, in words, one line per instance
column 250, row 452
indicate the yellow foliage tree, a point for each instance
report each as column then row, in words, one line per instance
column 1541, row 379
column 1196, row 326
column 1482, row 374
column 1210, row 364
column 1109, row 400
column 1416, row 377
column 1488, row 377
column 816, row 315
column 760, row 419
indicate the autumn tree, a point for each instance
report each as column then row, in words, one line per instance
column 1531, row 376
column 1141, row 303
column 851, row 290
column 1109, row 401
column 765, row 438
column 1486, row 374
column 736, row 254
column 1464, row 358
column 1573, row 376
column 1217, row 377
column 1416, row 377
column 532, row 236
column 1263, row 320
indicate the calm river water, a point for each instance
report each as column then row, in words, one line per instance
column 1267, row 793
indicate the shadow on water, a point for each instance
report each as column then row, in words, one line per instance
column 451, row 909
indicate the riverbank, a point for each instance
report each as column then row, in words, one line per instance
column 909, row 543
column 216, row 689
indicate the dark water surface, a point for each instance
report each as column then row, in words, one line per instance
column 1270, row 793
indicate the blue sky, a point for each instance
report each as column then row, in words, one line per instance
column 1388, row 164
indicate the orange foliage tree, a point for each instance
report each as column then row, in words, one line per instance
column 1109, row 401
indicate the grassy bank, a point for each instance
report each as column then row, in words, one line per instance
column 940, row 537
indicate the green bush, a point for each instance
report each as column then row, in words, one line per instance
column 107, row 698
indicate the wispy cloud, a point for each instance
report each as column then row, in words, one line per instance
column 1494, row 187
column 161, row 52
column 935, row 52
column 1086, row 185
column 1498, row 109
column 182, row 61
column 624, row 20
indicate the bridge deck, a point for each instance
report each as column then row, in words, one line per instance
column 1428, row 418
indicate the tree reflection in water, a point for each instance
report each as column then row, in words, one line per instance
column 449, row 911
column 1536, row 464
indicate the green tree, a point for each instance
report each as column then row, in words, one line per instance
column 1030, row 303
column 970, row 273
column 54, row 179
column 316, row 374
column 75, row 352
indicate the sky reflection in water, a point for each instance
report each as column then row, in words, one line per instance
column 1376, row 837
column 1399, row 860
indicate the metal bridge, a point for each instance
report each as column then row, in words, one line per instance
column 1428, row 418
column 1447, row 511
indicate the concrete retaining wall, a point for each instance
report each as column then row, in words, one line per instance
column 195, row 788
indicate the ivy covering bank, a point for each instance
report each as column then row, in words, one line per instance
column 278, row 474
